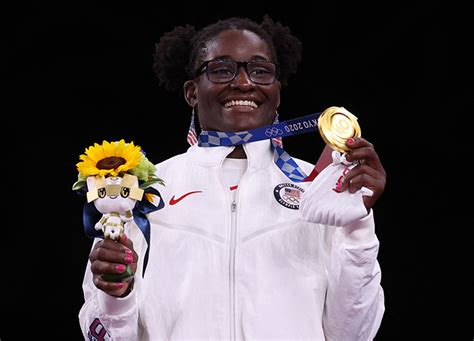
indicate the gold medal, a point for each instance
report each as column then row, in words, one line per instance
column 336, row 125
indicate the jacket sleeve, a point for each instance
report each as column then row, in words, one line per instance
column 354, row 304
column 355, row 300
column 105, row 317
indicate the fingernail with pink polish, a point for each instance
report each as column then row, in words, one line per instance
column 128, row 259
column 120, row 268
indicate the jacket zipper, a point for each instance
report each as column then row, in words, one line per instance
column 232, row 247
column 233, row 238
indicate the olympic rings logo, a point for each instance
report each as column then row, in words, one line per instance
column 273, row 132
column 291, row 199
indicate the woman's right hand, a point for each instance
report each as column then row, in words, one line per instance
column 112, row 257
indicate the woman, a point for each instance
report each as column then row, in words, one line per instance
column 240, row 250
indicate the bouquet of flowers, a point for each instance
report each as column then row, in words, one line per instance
column 117, row 179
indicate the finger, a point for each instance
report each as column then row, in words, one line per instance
column 128, row 246
column 363, row 168
column 367, row 155
column 363, row 175
column 123, row 245
column 357, row 142
column 112, row 288
column 101, row 267
column 364, row 152
column 126, row 242
column 117, row 254
column 362, row 180
column 109, row 244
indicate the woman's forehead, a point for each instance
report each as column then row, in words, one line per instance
column 237, row 44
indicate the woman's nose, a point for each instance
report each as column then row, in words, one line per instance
column 242, row 79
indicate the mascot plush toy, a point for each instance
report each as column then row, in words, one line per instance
column 117, row 179
column 115, row 198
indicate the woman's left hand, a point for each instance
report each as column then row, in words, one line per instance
column 368, row 173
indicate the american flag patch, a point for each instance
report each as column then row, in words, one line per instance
column 288, row 195
column 295, row 193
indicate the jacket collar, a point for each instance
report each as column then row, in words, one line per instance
column 259, row 154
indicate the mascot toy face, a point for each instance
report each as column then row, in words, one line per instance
column 114, row 197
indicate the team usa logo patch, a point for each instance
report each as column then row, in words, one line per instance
column 288, row 195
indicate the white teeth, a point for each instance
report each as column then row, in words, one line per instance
column 244, row 103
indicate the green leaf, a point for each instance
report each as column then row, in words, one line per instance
column 152, row 181
column 79, row 184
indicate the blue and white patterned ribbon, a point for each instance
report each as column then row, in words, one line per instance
column 282, row 159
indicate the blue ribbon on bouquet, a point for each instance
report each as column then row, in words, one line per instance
column 274, row 132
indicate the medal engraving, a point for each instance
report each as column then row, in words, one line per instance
column 336, row 125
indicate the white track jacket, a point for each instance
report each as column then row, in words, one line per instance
column 283, row 260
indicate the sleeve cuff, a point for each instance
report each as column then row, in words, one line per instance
column 111, row 305
column 362, row 230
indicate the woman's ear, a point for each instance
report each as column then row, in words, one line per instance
column 190, row 96
column 278, row 84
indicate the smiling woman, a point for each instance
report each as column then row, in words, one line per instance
column 253, row 253
column 229, row 99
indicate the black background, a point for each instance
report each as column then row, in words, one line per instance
column 84, row 74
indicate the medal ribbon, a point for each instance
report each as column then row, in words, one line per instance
column 282, row 159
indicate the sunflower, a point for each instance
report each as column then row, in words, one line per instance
column 109, row 159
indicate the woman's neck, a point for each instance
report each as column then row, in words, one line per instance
column 238, row 153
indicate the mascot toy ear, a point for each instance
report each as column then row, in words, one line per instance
column 97, row 187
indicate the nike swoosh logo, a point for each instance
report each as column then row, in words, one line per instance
column 174, row 201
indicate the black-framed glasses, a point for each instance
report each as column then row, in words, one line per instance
column 224, row 70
